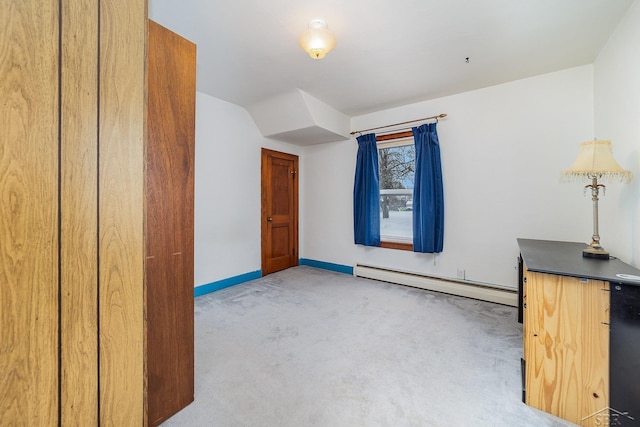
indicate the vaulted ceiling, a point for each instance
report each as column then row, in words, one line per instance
column 388, row 53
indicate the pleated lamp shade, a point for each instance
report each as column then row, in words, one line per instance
column 595, row 159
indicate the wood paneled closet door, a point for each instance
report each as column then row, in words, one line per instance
column 72, row 82
column 169, row 222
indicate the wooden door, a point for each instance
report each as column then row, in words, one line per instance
column 279, row 211
column 169, row 222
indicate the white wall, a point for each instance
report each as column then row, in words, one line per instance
column 503, row 148
column 227, row 190
column 617, row 117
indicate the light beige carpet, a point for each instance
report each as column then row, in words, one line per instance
column 309, row 347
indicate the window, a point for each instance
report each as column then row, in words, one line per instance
column 396, row 161
column 382, row 193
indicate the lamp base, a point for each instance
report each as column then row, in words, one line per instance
column 595, row 252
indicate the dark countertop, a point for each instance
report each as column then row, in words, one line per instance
column 565, row 259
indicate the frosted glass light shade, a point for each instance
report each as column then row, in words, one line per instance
column 317, row 41
column 595, row 159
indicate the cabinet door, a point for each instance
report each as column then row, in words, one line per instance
column 566, row 338
column 625, row 355
column 169, row 222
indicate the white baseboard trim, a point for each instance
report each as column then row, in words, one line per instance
column 463, row 288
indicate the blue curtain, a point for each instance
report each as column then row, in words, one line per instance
column 366, row 193
column 428, row 195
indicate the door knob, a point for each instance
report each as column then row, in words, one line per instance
column 269, row 219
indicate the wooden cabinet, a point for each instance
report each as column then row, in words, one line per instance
column 566, row 345
column 169, row 222
column 579, row 355
column 74, row 215
column 72, row 78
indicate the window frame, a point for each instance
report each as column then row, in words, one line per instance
column 390, row 140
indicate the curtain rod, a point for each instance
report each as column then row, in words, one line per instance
column 439, row 116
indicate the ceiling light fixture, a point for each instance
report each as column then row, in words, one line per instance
column 317, row 41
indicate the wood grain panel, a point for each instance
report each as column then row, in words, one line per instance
column 29, row 219
column 121, row 185
column 395, row 135
column 595, row 369
column 280, row 238
column 170, row 222
column 397, row 245
column 281, row 183
column 566, row 345
column 79, row 270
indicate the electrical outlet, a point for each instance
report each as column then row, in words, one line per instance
column 461, row 274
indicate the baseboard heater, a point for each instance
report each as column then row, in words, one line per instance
column 464, row 288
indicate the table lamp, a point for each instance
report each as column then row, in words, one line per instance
column 595, row 161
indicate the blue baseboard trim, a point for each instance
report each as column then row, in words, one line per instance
column 326, row 265
column 225, row 283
